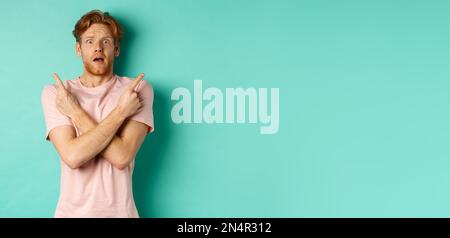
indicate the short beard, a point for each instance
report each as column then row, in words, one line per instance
column 102, row 71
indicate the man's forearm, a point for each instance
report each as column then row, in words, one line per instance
column 84, row 122
column 96, row 139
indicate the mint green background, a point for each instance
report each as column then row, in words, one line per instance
column 364, row 117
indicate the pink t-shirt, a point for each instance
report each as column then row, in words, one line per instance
column 96, row 189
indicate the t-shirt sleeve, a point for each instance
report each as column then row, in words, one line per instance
column 145, row 114
column 53, row 118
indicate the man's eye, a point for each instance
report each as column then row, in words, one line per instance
column 106, row 41
column 89, row 41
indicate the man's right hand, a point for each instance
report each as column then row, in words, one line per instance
column 129, row 102
column 66, row 103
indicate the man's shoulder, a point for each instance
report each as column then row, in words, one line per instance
column 48, row 89
column 143, row 85
column 52, row 87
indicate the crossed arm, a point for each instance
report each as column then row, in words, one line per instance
column 115, row 138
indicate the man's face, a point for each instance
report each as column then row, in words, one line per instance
column 97, row 49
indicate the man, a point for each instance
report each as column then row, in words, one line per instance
column 97, row 123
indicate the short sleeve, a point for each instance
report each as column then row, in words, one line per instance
column 53, row 118
column 145, row 115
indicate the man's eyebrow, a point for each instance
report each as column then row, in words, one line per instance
column 92, row 37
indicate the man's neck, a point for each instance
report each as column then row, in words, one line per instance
column 90, row 80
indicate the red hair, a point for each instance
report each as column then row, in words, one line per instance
column 97, row 16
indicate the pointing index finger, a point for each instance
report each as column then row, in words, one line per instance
column 136, row 82
column 59, row 84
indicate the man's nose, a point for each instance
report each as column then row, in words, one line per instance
column 98, row 47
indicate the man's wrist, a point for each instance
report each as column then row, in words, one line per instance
column 77, row 114
column 118, row 114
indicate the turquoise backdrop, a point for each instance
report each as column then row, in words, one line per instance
column 364, row 117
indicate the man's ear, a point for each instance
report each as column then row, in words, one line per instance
column 117, row 50
column 78, row 48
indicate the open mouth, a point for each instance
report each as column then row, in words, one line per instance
column 99, row 59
